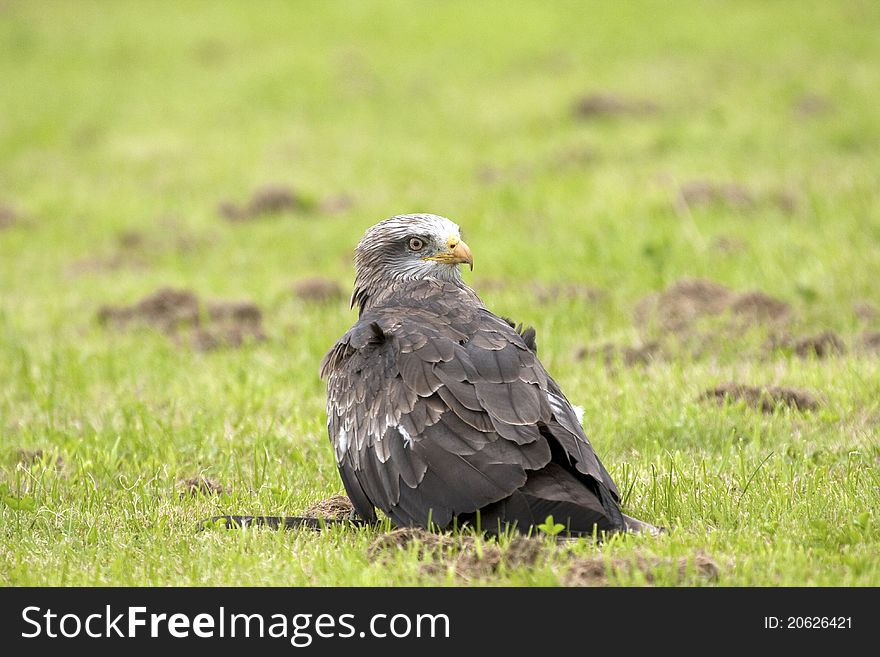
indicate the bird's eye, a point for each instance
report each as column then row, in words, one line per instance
column 416, row 244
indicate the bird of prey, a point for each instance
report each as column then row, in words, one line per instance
column 440, row 413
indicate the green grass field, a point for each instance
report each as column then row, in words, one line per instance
column 731, row 142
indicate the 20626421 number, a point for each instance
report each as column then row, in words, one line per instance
column 808, row 622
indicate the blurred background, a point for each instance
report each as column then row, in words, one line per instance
column 594, row 153
column 676, row 195
column 623, row 145
column 217, row 162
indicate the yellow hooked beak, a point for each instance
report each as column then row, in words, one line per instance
column 458, row 253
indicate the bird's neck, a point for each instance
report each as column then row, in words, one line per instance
column 368, row 295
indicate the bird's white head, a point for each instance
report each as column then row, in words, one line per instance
column 408, row 247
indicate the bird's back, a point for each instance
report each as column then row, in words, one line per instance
column 438, row 409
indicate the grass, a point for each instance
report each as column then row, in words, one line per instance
column 138, row 119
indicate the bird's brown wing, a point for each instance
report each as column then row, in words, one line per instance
column 438, row 409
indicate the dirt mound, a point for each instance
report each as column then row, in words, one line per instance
column 462, row 554
column 29, row 457
column 731, row 196
column 426, row 542
column 230, row 324
column 870, row 341
column 821, row 345
column 338, row 506
column 785, row 199
column 597, row 570
column 268, row 200
column 600, row 105
column 274, row 200
column 866, row 311
column 166, row 309
column 523, row 551
column 200, row 485
column 178, row 313
column 8, row 216
column 812, row 104
column 101, row 264
column 758, row 308
column 131, row 239
column 473, row 564
column 630, row 356
column 318, row 290
column 237, row 312
column 702, row 193
column 766, row 399
column 680, row 307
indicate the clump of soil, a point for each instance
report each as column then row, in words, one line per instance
column 587, row 572
column 733, row 196
column 866, row 311
column 759, row 308
column 812, row 104
column 338, row 506
column 463, row 554
column 178, row 313
column 8, row 216
column 870, row 341
column 29, row 457
column 678, row 308
column 274, row 199
column 467, row 564
column 318, row 290
column 100, row 264
column 822, row 345
column 523, row 551
column 700, row 193
column 211, row 339
column 600, row 105
column 630, row 356
column 268, row 200
column 551, row 292
column 596, row 571
column 236, row 312
column 231, row 324
column 166, row 309
column 786, row 200
column 426, row 542
column 131, row 239
column 200, row 485
column 766, row 399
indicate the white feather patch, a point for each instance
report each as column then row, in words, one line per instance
column 407, row 439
